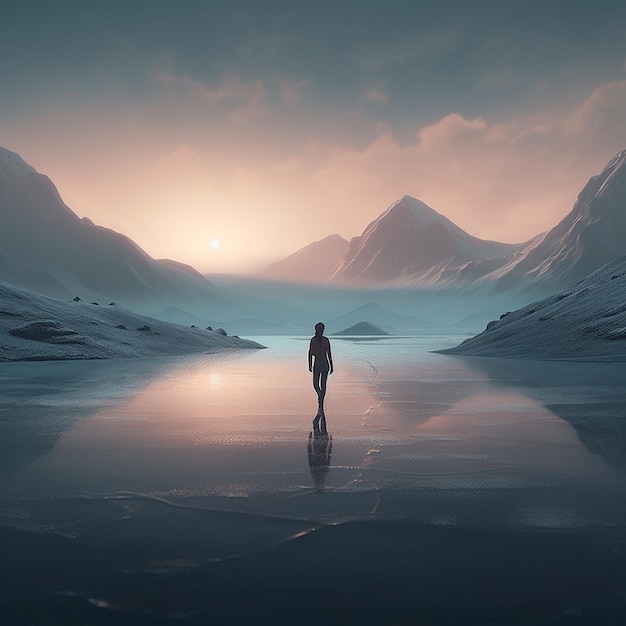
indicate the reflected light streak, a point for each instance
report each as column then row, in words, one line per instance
column 513, row 429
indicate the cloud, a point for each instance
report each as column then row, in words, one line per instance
column 375, row 95
column 221, row 159
column 291, row 91
column 240, row 100
column 601, row 114
column 507, row 180
column 181, row 156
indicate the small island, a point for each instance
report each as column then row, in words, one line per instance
column 362, row 328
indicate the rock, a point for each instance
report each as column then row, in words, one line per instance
column 50, row 331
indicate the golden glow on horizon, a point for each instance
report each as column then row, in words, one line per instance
column 271, row 127
column 506, row 181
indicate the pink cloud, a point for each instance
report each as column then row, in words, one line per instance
column 172, row 186
column 240, row 100
column 509, row 180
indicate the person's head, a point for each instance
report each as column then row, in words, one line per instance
column 319, row 328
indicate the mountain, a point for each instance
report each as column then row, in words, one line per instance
column 313, row 263
column 34, row 327
column 46, row 247
column 412, row 243
column 592, row 234
column 585, row 321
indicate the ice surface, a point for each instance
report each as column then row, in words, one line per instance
column 458, row 491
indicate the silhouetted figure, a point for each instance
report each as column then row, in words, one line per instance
column 321, row 364
column 320, row 448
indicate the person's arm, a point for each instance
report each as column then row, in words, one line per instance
column 330, row 357
column 310, row 359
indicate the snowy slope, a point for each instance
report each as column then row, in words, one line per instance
column 313, row 263
column 590, row 235
column 411, row 242
column 585, row 321
column 36, row 327
column 46, row 247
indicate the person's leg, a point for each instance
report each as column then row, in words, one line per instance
column 322, row 396
column 322, row 392
column 316, row 386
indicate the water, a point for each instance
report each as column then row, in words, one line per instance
column 495, row 488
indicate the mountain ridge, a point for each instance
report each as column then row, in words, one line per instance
column 412, row 245
column 314, row 262
column 46, row 247
column 411, row 224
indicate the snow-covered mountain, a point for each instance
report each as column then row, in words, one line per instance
column 585, row 321
column 591, row 234
column 46, row 247
column 412, row 243
column 313, row 263
column 36, row 327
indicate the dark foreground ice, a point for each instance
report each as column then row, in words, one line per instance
column 188, row 490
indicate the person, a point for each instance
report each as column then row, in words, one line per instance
column 321, row 364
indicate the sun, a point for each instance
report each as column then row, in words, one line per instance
column 214, row 243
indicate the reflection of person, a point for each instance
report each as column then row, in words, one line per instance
column 321, row 364
column 320, row 448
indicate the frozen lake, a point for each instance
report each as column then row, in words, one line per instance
column 454, row 490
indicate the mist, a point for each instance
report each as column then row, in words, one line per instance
column 249, row 305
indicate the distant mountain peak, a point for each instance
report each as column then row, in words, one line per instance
column 618, row 159
column 411, row 242
column 609, row 182
column 335, row 237
column 413, row 210
column 613, row 173
column 313, row 263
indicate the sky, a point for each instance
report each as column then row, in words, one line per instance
column 230, row 134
